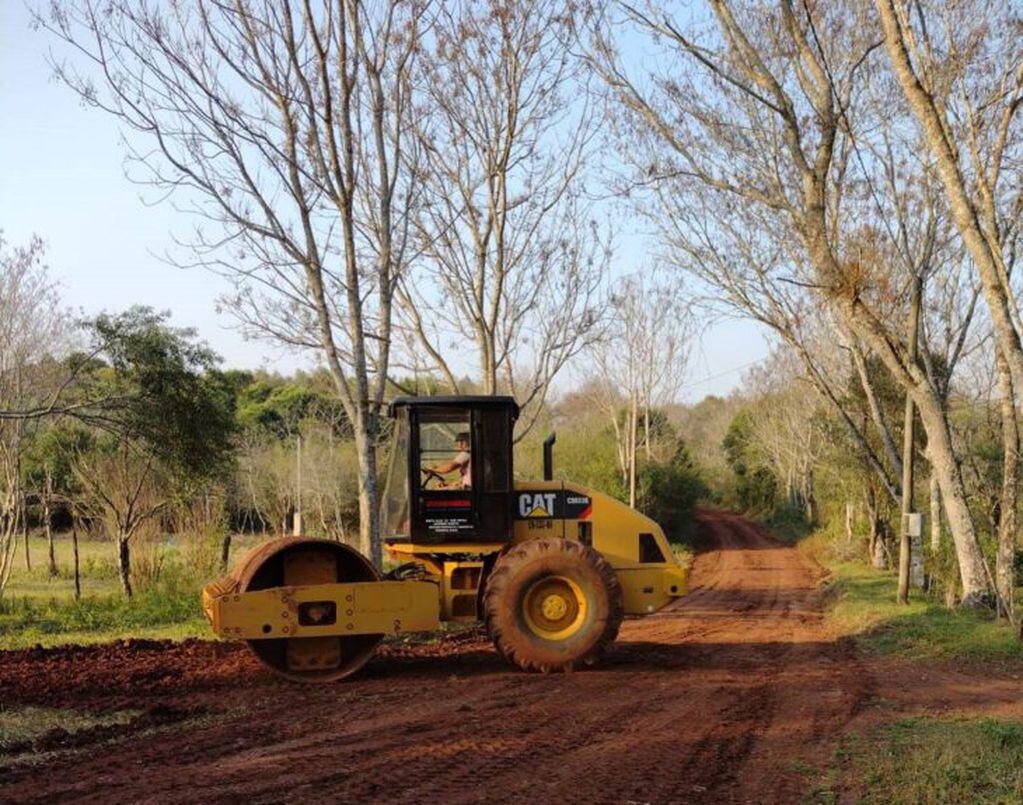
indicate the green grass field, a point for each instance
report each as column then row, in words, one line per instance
column 927, row 760
column 864, row 606
column 38, row 609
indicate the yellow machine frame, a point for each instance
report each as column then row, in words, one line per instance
column 484, row 548
column 454, row 572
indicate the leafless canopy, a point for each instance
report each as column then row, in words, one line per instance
column 513, row 259
column 281, row 128
column 33, row 326
column 782, row 185
column 641, row 362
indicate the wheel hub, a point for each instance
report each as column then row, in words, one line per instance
column 554, row 607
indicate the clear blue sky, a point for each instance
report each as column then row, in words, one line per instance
column 61, row 176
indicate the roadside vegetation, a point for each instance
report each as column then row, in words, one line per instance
column 862, row 605
column 926, row 760
column 42, row 610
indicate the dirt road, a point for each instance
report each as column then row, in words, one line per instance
column 722, row 698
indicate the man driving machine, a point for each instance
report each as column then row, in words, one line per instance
column 462, row 462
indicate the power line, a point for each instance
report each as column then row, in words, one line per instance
column 718, row 375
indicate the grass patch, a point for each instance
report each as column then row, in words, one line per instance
column 31, row 637
column 96, row 564
column 922, row 760
column 39, row 609
column 171, row 609
column 23, row 724
column 864, row 607
column 683, row 554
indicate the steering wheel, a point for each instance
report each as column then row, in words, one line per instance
column 431, row 475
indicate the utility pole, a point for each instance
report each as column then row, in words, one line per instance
column 297, row 522
column 908, row 434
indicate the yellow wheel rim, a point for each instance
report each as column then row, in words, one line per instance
column 554, row 608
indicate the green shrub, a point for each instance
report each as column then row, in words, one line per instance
column 788, row 522
column 669, row 491
column 666, row 490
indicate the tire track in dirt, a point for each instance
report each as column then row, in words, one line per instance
column 715, row 699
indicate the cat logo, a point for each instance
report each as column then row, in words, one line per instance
column 537, row 504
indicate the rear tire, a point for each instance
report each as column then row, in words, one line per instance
column 552, row 605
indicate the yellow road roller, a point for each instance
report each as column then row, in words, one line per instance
column 550, row 567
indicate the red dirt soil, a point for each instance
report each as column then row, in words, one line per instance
column 721, row 698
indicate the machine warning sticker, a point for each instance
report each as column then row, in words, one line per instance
column 447, row 517
column 557, row 504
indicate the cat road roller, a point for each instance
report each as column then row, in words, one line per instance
column 550, row 567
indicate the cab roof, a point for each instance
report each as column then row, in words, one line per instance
column 455, row 401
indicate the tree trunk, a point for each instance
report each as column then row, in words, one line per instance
column 910, row 376
column 646, row 431
column 488, row 362
column 960, row 522
column 878, row 549
column 369, row 525
column 74, row 548
column 622, row 435
column 124, row 563
column 23, row 524
column 849, row 521
column 884, row 543
column 297, row 523
column 876, row 412
column 48, row 526
column 986, row 255
column 1005, row 571
column 633, row 426
column 933, row 417
column 985, row 248
column 935, row 494
column 225, row 552
column 879, row 554
column 908, row 551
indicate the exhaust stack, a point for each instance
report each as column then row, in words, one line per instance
column 548, row 457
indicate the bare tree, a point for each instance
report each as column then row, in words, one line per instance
column 787, row 428
column 513, row 258
column 960, row 66
column 641, row 363
column 266, row 477
column 755, row 133
column 124, row 489
column 33, row 326
column 281, row 127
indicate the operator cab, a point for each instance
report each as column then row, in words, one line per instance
column 449, row 478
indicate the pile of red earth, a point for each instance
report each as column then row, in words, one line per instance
column 130, row 673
